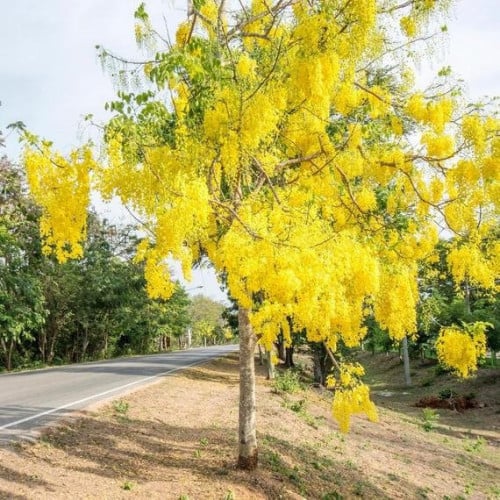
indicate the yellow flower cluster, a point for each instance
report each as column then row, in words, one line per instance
column 379, row 101
column 467, row 262
column 351, row 395
column 62, row 188
column 209, row 10
column 366, row 200
column 397, row 125
column 395, row 304
column 434, row 113
column 346, row 99
column 352, row 401
column 460, row 350
column 260, row 18
column 157, row 274
column 438, row 146
column 182, row 33
column 408, row 26
column 474, row 131
column 245, row 68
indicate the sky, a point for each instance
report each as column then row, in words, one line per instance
column 50, row 76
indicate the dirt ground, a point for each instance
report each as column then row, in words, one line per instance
column 177, row 439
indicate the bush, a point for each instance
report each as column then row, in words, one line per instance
column 287, row 381
column 429, row 417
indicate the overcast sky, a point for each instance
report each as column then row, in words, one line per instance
column 50, row 76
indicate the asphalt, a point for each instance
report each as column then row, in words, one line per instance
column 34, row 399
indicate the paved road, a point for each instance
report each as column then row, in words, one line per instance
column 30, row 400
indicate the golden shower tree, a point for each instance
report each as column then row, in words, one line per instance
column 284, row 141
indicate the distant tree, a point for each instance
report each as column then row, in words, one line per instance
column 207, row 319
column 176, row 315
column 22, row 309
column 445, row 302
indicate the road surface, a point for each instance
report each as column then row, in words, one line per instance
column 30, row 400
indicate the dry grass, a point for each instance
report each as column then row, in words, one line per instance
column 178, row 439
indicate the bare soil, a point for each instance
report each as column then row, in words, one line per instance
column 177, row 439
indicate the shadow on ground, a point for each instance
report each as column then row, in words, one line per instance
column 144, row 451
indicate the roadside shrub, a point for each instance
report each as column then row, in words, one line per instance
column 287, row 381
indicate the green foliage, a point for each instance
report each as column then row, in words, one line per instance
column 22, row 308
column 377, row 339
column 127, row 485
column 207, row 320
column 447, row 394
column 475, row 445
column 298, row 406
column 429, row 419
column 332, row 495
column 93, row 308
column 444, row 303
column 121, row 407
column 287, row 381
column 277, row 465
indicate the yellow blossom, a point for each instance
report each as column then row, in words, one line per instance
column 460, row 350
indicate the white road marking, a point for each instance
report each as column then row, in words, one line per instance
column 88, row 398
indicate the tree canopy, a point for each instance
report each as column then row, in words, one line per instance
column 285, row 141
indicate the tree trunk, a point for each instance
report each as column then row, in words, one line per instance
column 322, row 364
column 406, row 361
column 5, row 352
column 467, row 297
column 269, row 365
column 85, row 343
column 248, row 454
column 42, row 344
column 289, row 357
column 317, row 368
column 261, row 356
column 280, row 345
column 105, row 347
column 9, row 354
column 52, row 347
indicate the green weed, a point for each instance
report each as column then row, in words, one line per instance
column 468, row 488
column 332, row 495
column 121, row 407
column 127, row 485
column 475, row 445
column 429, row 419
column 287, row 381
column 358, row 488
column 298, row 406
column 277, row 465
column 495, row 490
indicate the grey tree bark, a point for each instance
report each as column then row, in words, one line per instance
column 269, row 365
column 248, row 453
column 406, row 361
